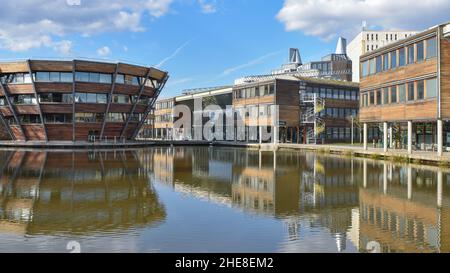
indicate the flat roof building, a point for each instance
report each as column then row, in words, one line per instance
column 405, row 86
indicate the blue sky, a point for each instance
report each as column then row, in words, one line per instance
column 200, row 42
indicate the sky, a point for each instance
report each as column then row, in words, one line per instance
column 201, row 43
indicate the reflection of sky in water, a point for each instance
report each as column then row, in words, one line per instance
column 219, row 200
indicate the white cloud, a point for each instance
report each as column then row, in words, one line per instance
column 63, row 47
column 329, row 18
column 43, row 23
column 104, row 51
column 208, row 7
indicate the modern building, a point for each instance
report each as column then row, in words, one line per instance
column 76, row 100
column 163, row 118
column 370, row 40
column 336, row 66
column 405, row 90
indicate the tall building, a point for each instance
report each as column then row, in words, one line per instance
column 370, row 40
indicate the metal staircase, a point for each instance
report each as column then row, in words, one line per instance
column 315, row 125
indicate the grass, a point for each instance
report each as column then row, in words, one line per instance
column 400, row 159
column 376, row 156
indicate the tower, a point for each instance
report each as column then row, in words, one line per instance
column 341, row 47
column 294, row 56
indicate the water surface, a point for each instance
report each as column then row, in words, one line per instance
column 207, row 199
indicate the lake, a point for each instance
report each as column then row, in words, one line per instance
column 219, row 199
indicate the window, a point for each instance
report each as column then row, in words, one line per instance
column 420, row 51
column 80, row 97
column 385, row 95
column 365, row 68
column 102, row 98
column 401, row 57
column 120, row 78
column 411, row 91
column 372, row 66
column 23, row 99
column 57, row 118
column 29, row 119
column 105, row 78
column 66, row 77
column 379, row 64
column 55, row 97
column 393, row 94
column 431, row 48
column 91, row 98
column 386, row 62
column 123, row 99
column 379, row 102
column 393, row 59
column 3, row 101
column 42, row 77
column 89, row 117
column 410, row 54
column 402, row 93
column 55, row 77
column 82, row 77
column 121, row 117
column 271, row 89
column 372, row 98
column 431, row 88
column 94, row 77
column 420, row 90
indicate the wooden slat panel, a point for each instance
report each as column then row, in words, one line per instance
column 6, row 111
column 94, row 67
column 58, row 66
column 56, row 108
column 59, row 131
column 82, row 130
column 157, row 74
column 27, row 109
column 113, row 129
column 400, row 112
column 400, row 74
column 53, row 87
column 445, row 78
column 140, row 109
column 254, row 101
column 130, row 130
column 16, row 131
column 126, row 89
column 335, row 103
column 13, row 67
column 148, row 91
column 120, row 108
column 90, row 108
column 93, row 87
column 133, row 70
column 34, row 132
column 20, row 89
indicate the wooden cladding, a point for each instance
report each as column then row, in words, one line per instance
column 14, row 67
column 400, row 112
column 427, row 67
column 27, row 109
column 51, row 66
column 56, row 108
column 133, row 70
column 126, row 89
column 445, row 78
column 53, row 87
column 20, row 89
column 94, row 67
column 34, row 131
column 92, row 87
column 90, row 108
column 59, row 131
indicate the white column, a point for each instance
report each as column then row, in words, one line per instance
column 365, row 136
column 275, row 134
column 260, row 135
column 439, row 189
column 440, row 143
column 385, row 178
column 409, row 137
column 409, row 183
column 391, row 137
column 365, row 173
column 385, row 139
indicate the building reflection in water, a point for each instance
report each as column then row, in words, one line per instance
column 75, row 193
column 374, row 205
column 354, row 204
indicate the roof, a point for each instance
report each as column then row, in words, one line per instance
column 328, row 81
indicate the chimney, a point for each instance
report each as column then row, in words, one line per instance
column 341, row 47
column 294, row 56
